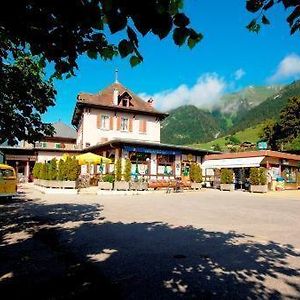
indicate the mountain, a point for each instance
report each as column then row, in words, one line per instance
column 247, row 98
column 189, row 124
column 268, row 109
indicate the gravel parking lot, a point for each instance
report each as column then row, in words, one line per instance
column 207, row 244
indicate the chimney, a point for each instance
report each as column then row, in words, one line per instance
column 151, row 102
column 116, row 95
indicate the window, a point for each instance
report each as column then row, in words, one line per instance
column 104, row 122
column 44, row 145
column 58, row 145
column 124, row 124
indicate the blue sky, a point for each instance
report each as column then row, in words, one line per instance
column 228, row 58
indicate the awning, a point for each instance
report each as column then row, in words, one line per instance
column 246, row 162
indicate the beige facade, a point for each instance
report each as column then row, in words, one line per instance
column 100, row 125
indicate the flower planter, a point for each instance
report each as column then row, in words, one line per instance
column 121, row 185
column 227, row 187
column 258, row 188
column 56, row 184
column 139, row 186
column 105, row 185
column 196, row 185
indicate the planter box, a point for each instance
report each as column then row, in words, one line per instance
column 227, row 187
column 122, row 185
column 139, row 186
column 105, row 185
column 196, row 185
column 56, row 184
column 258, row 188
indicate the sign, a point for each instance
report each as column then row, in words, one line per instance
column 262, row 145
column 151, row 150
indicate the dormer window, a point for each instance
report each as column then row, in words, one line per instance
column 124, row 100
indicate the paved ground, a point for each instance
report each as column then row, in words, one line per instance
column 201, row 245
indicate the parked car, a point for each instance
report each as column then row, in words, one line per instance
column 8, row 181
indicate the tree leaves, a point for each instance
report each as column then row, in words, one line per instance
column 135, row 60
column 25, row 95
column 125, row 48
column 253, row 26
column 264, row 20
column 181, row 20
column 180, row 35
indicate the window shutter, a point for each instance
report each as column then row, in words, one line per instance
column 98, row 121
column 118, row 123
column 130, row 125
column 145, row 126
column 111, row 123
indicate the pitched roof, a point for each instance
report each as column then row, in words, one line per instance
column 104, row 99
column 62, row 130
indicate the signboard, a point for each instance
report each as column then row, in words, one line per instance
column 151, row 150
column 262, row 145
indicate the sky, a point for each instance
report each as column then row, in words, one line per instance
column 228, row 59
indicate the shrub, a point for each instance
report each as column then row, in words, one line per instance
column 263, row 176
column 73, row 170
column 118, row 170
column 36, row 170
column 61, row 170
column 127, row 170
column 258, row 176
column 44, row 171
column 195, row 173
column 226, row 176
column 52, row 171
column 254, row 176
column 108, row 178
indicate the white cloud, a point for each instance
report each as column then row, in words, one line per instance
column 238, row 74
column 204, row 93
column 288, row 68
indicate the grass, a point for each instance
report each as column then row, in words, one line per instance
column 248, row 135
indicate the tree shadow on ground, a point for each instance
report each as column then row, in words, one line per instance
column 69, row 249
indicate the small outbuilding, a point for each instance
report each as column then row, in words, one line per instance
column 279, row 165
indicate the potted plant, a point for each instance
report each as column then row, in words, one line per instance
column 106, row 182
column 196, row 176
column 119, row 183
column 227, row 180
column 258, row 180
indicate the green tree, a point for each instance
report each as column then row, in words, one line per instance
column 232, row 140
column 217, row 147
column 287, row 128
column 25, row 95
column 261, row 8
column 118, row 169
column 52, row 169
column 127, row 170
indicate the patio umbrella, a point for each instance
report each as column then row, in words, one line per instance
column 91, row 158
